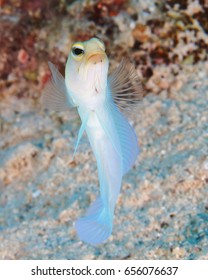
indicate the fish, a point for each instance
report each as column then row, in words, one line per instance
column 102, row 100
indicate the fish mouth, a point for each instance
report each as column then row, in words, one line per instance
column 94, row 66
column 97, row 57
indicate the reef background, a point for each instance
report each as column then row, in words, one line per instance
column 162, row 211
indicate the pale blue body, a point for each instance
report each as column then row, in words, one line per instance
column 114, row 144
column 113, row 141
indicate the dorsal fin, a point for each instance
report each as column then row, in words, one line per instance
column 120, row 133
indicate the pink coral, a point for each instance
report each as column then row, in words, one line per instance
column 22, row 56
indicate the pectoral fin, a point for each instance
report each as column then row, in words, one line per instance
column 125, row 86
column 55, row 95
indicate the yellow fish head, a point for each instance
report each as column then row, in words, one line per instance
column 87, row 65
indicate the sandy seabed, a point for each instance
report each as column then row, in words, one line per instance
column 162, row 211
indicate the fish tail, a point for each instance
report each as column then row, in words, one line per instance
column 97, row 225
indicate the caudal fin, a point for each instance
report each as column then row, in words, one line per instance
column 96, row 226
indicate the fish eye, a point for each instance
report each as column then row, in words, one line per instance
column 77, row 51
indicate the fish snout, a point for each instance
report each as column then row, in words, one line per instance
column 96, row 58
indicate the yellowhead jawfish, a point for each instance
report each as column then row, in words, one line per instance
column 100, row 99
